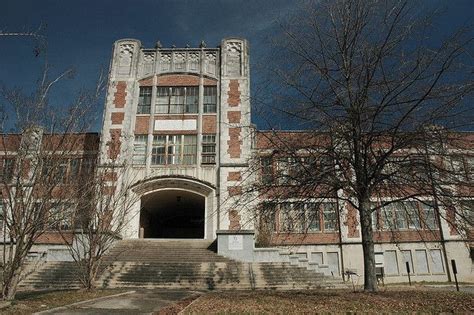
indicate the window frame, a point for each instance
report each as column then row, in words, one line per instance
column 208, row 157
column 173, row 150
column 144, row 100
column 175, row 100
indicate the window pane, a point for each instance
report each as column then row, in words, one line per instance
column 401, row 216
column 162, row 100
column 387, row 217
column 329, row 216
column 192, row 97
column 208, row 149
column 313, row 220
column 266, row 164
column 210, row 99
column 177, row 100
column 144, row 100
column 412, row 214
column 139, row 149
column 429, row 216
column 286, row 220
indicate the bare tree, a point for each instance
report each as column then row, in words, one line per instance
column 368, row 83
column 38, row 164
column 101, row 216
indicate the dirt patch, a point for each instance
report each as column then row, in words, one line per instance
column 291, row 302
column 178, row 306
column 36, row 301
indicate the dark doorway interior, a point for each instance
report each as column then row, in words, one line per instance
column 172, row 214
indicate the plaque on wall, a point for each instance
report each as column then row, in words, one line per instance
column 236, row 242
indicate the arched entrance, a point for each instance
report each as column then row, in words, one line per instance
column 172, row 213
column 174, row 206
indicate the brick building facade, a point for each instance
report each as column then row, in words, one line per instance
column 177, row 123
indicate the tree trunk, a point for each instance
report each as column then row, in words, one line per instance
column 370, row 277
column 10, row 286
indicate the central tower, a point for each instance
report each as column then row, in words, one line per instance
column 177, row 125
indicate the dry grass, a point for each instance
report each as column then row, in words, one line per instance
column 35, row 301
column 333, row 301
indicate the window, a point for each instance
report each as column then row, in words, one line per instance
column 407, row 216
column 400, row 216
column 283, row 168
column 1, row 216
column 436, row 261
column 189, row 150
column 144, row 100
column 176, row 100
column 412, row 214
column 208, row 149
column 406, row 254
column 60, row 217
column 333, row 262
column 266, row 164
column 173, row 149
column 390, row 262
column 267, row 217
column 7, row 168
column 74, row 168
column 329, row 214
column 387, row 217
column 87, row 165
column 429, row 215
column 421, row 261
column 313, row 217
column 287, row 223
column 139, row 149
column 300, row 217
column 210, row 99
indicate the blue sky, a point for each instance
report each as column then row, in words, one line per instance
column 80, row 33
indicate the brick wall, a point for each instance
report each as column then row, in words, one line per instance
column 234, row 117
column 209, row 124
column 117, row 118
column 234, row 93
column 120, row 94
column 234, row 143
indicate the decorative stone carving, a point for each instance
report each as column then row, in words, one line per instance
column 125, row 58
column 211, row 59
column 193, row 61
column 165, row 62
column 179, row 60
column 234, row 58
column 148, row 62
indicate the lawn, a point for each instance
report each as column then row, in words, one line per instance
column 35, row 301
column 290, row 302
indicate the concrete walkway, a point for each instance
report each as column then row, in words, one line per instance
column 138, row 302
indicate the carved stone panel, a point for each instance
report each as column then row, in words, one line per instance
column 193, row 61
column 179, row 61
column 148, row 63
column 234, row 58
column 165, row 62
column 125, row 59
column 211, row 63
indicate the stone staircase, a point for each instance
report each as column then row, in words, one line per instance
column 50, row 275
column 180, row 264
column 193, row 264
